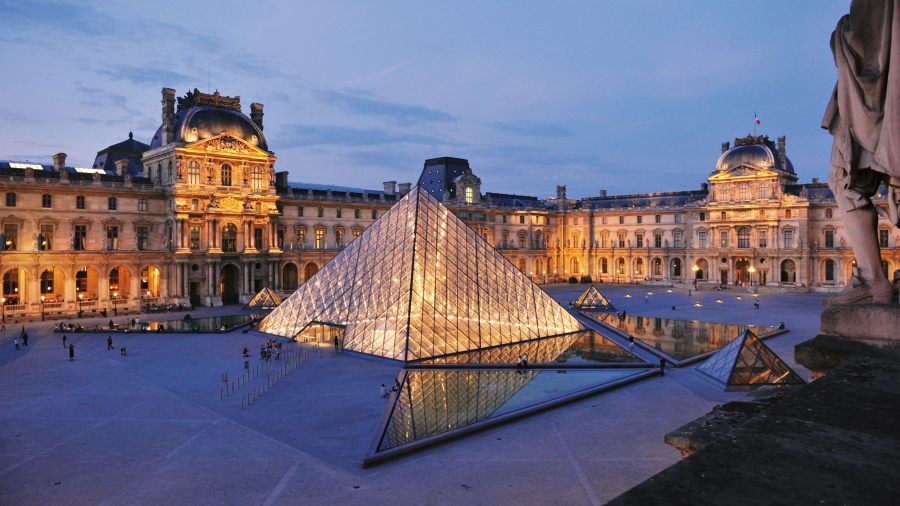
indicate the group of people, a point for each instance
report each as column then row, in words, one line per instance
column 522, row 363
column 23, row 336
column 268, row 350
column 170, row 307
column 68, row 327
column 384, row 390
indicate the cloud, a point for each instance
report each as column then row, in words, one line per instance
column 106, row 99
column 333, row 135
column 531, row 129
column 365, row 104
column 140, row 75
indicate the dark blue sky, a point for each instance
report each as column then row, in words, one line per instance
column 629, row 96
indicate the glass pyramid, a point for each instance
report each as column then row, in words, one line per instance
column 746, row 362
column 420, row 283
column 265, row 300
column 593, row 299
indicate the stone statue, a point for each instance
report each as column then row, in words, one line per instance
column 862, row 116
column 212, row 202
column 71, row 242
column 34, row 242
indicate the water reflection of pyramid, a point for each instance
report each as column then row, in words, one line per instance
column 420, row 283
column 593, row 299
column 746, row 362
column 265, row 300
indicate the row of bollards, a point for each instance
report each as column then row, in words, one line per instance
column 272, row 375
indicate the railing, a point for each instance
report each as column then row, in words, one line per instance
column 15, row 307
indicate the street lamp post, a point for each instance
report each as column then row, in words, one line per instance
column 149, row 294
column 115, row 303
column 42, row 308
column 751, row 270
column 3, row 307
column 80, row 305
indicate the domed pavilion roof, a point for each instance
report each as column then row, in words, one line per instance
column 755, row 152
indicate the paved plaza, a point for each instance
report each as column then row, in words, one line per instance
column 150, row 428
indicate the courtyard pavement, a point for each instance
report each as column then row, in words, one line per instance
column 150, row 428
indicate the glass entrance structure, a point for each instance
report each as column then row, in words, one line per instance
column 419, row 283
column 592, row 299
column 264, row 300
column 746, row 362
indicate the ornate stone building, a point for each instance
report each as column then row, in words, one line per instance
column 200, row 215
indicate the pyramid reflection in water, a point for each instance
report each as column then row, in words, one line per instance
column 420, row 283
column 746, row 362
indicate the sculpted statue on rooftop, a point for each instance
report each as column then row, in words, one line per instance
column 863, row 115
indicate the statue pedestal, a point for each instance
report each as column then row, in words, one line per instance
column 871, row 330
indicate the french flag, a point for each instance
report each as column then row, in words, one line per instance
column 756, row 120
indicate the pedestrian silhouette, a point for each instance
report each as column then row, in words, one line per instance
column 64, row 340
column 71, row 352
column 109, row 345
column 16, row 340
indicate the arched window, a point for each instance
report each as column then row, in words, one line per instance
column 604, row 266
column 522, row 265
column 829, row 270
column 256, row 178
column 743, row 237
column 11, row 286
column 229, row 238
column 309, row 271
column 702, row 269
column 788, row 271
column 657, row 267
column 575, row 267
column 226, row 175
column 470, row 196
column 193, row 172
column 676, row 267
column 539, row 266
column 289, row 277
column 113, row 281
column 81, row 280
column 744, row 192
column 47, row 281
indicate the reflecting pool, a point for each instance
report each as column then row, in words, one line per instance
column 212, row 324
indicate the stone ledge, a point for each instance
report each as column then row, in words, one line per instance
column 878, row 324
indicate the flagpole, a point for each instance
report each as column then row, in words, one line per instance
column 754, row 123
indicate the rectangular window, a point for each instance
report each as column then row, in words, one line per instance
column 46, row 239
column 11, row 236
column 358, row 231
column 639, row 239
column 10, row 199
column 321, row 212
column 621, row 240
column 603, row 220
column 374, row 214
column 829, row 239
column 80, row 241
column 300, row 211
column 113, row 204
column 521, row 219
column 320, row 239
column 677, row 238
column 301, row 237
column 621, row 220
column 195, row 204
column 143, row 238
column 79, row 202
column 195, row 237
column 339, row 237
column 142, row 204
column 356, row 213
column 657, row 219
column 883, row 238
column 339, row 212
column 112, row 238
column 46, row 201
column 788, row 238
column 640, row 219
column 702, row 216
column 258, row 238
column 657, row 240
column 763, row 239
column 723, row 239
column 677, row 218
column 702, row 237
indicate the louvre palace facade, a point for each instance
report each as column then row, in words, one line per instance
column 202, row 215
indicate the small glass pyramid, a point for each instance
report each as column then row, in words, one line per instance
column 746, row 362
column 592, row 299
column 420, row 283
column 265, row 300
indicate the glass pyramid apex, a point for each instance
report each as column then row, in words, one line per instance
column 747, row 362
column 266, row 300
column 420, row 283
column 593, row 299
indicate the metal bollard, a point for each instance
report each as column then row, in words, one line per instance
column 221, row 396
column 242, row 402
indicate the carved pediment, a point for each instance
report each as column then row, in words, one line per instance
column 226, row 144
column 742, row 171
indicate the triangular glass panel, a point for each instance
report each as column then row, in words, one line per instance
column 746, row 362
column 265, row 300
column 593, row 300
column 426, row 280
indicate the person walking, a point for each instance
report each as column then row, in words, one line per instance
column 24, row 338
column 109, row 345
column 384, row 390
column 662, row 366
column 64, row 339
column 3, row 326
column 524, row 361
column 337, row 345
column 518, row 364
column 16, row 340
column 71, row 352
column 646, row 299
column 631, row 342
column 756, row 303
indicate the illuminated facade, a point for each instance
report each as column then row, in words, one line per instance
column 200, row 215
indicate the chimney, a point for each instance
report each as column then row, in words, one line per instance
column 122, row 167
column 256, row 114
column 281, row 180
column 704, row 187
column 603, row 193
column 404, row 188
column 390, row 187
column 815, row 180
column 168, row 116
column 725, row 147
column 59, row 162
column 782, row 152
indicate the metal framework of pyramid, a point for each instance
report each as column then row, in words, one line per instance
column 593, row 299
column 420, row 283
column 265, row 300
column 746, row 362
